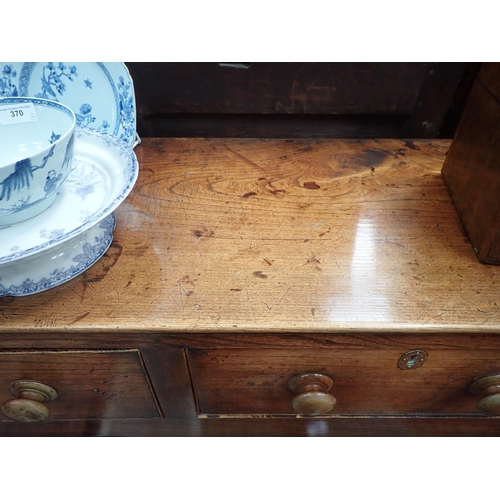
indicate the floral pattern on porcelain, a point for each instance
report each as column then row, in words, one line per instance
column 93, row 189
column 104, row 101
column 38, row 274
column 8, row 87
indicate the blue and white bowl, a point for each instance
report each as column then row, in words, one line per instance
column 36, row 150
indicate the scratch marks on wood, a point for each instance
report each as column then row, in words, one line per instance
column 180, row 295
column 283, row 296
column 186, row 279
column 184, row 284
column 130, row 280
column 490, row 316
column 294, row 84
column 81, row 296
column 80, row 317
column 314, row 261
column 186, row 293
column 259, row 274
column 203, row 231
column 280, row 107
column 244, row 158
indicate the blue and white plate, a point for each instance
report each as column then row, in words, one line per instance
column 58, row 264
column 104, row 171
column 101, row 94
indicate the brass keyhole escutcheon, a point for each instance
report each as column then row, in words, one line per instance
column 412, row 359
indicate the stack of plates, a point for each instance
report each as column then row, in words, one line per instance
column 75, row 232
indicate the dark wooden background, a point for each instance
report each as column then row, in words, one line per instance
column 342, row 100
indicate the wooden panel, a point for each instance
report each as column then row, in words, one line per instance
column 489, row 76
column 434, row 100
column 170, row 377
column 90, row 384
column 271, row 126
column 471, row 170
column 282, row 88
column 328, row 100
column 366, row 381
column 262, row 427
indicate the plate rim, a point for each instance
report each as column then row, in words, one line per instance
column 26, row 69
column 28, row 287
column 96, row 217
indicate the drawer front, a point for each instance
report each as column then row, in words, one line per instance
column 244, row 382
column 89, row 384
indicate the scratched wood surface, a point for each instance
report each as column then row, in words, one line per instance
column 277, row 236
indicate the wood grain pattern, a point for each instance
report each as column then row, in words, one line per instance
column 263, row 427
column 286, row 256
column 277, row 88
column 244, row 382
column 471, row 171
column 331, row 100
column 89, row 384
column 278, row 236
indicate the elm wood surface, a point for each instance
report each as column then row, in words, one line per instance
column 278, row 236
column 287, row 245
column 471, row 171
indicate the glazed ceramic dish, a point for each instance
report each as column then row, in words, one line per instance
column 101, row 94
column 37, row 145
column 104, row 170
column 59, row 264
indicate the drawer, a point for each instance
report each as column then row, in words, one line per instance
column 89, row 384
column 249, row 382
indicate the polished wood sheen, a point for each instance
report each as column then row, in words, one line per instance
column 89, row 384
column 278, row 236
column 238, row 264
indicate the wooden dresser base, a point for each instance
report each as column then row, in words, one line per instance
column 240, row 264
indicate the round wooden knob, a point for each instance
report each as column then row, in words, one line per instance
column 488, row 389
column 29, row 407
column 312, row 397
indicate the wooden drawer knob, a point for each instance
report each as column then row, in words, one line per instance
column 312, row 397
column 28, row 405
column 488, row 389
